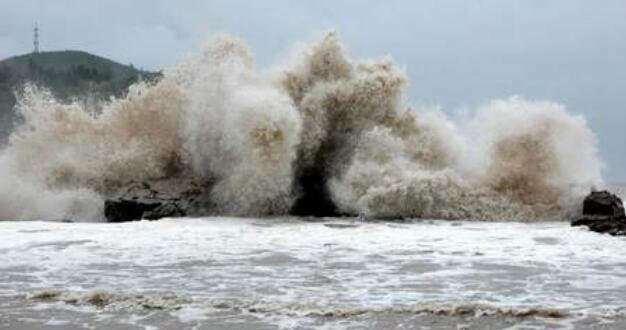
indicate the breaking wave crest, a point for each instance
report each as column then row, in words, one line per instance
column 103, row 299
column 106, row 299
column 326, row 135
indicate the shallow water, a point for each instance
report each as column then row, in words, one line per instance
column 224, row 273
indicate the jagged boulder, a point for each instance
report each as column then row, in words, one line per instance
column 153, row 201
column 603, row 203
column 603, row 212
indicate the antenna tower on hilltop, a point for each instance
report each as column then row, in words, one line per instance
column 36, row 39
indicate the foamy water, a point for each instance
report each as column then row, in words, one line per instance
column 229, row 273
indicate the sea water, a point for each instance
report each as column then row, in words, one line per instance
column 291, row 273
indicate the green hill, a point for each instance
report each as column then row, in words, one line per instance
column 69, row 75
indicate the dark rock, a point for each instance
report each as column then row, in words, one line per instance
column 603, row 203
column 165, row 210
column 603, row 212
column 606, row 225
column 153, row 201
column 314, row 199
column 122, row 210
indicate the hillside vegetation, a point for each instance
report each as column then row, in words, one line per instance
column 69, row 75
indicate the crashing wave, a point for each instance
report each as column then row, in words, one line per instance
column 106, row 299
column 327, row 135
column 111, row 300
column 451, row 309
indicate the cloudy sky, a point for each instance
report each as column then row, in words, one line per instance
column 458, row 54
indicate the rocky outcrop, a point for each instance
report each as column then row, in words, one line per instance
column 603, row 212
column 154, row 200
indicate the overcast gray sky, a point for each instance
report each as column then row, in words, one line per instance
column 457, row 53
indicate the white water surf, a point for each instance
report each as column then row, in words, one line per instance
column 285, row 273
